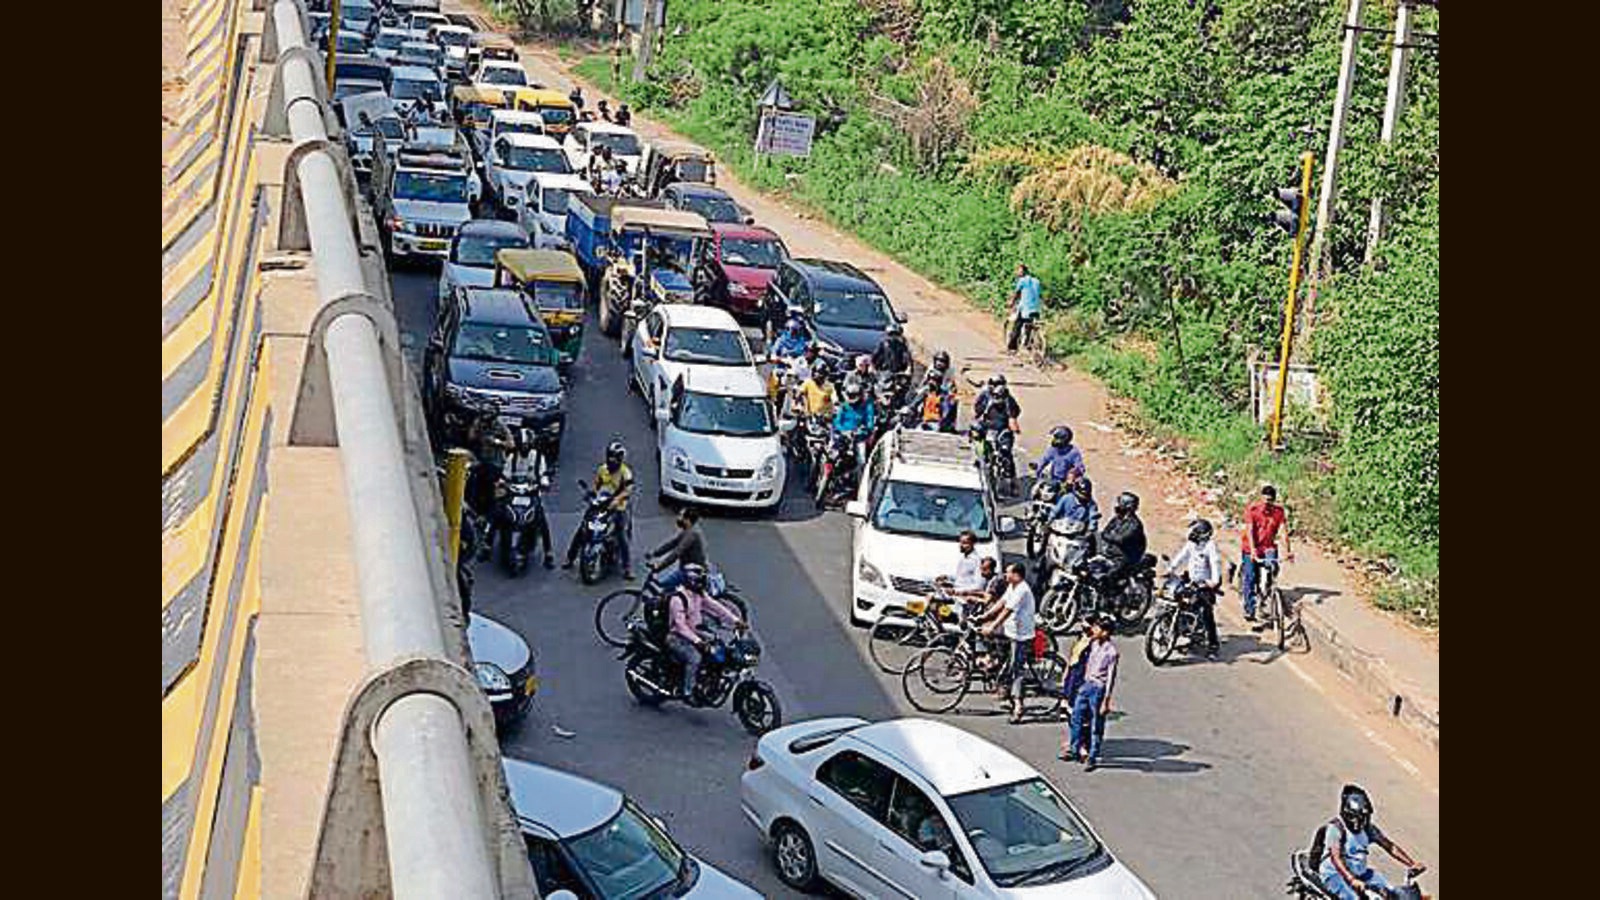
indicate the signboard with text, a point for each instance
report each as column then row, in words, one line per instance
column 785, row 134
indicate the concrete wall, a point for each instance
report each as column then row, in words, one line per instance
column 215, row 418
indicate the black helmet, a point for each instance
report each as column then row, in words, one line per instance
column 1061, row 437
column 941, row 360
column 997, row 380
column 820, row 370
column 1127, row 502
column 1083, row 487
column 813, row 350
column 694, row 576
column 1200, row 531
column 852, row 392
column 616, row 453
column 1355, row 807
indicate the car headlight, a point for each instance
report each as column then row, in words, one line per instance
column 679, row 460
column 869, row 573
column 491, row 677
column 769, row 469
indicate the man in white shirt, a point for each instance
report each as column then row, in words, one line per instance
column 968, row 577
column 1200, row 560
column 1013, row 617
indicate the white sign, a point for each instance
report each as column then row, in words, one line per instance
column 785, row 134
column 1303, row 391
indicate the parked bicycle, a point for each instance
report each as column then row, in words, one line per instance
column 940, row 677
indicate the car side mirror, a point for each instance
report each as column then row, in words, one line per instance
column 937, row 860
column 1009, row 526
column 901, row 317
column 857, row 509
column 786, row 424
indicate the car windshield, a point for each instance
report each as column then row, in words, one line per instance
column 716, row 346
column 535, row 159
column 406, row 89
column 754, row 252
column 852, row 309
column 621, row 144
column 1025, row 833
column 554, row 200
column 722, row 415
column 692, row 170
column 509, row 127
column 929, row 510
column 503, row 75
column 454, row 38
column 519, row 344
column 434, row 187
column 555, row 115
column 478, row 251
column 713, row 208
column 390, row 40
column 558, row 295
column 428, row 56
column 628, row 857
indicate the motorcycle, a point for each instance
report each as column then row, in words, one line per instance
column 841, row 458
column 597, row 555
column 727, row 670
column 1305, row 884
column 996, row 457
column 1041, row 503
column 516, row 514
column 1087, row 585
column 892, row 390
column 1176, row 619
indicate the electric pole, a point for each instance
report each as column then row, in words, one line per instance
column 1330, row 164
column 1292, row 218
column 618, row 26
column 1393, row 109
column 647, row 40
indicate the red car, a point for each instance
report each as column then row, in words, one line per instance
column 742, row 259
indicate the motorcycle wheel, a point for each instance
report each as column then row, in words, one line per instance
column 756, row 705
column 1133, row 605
column 1038, row 536
column 647, row 667
column 1162, row 637
column 591, row 566
column 937, row 679
column 613, row 613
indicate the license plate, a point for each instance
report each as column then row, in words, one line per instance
column 510, row 421
column 521, row 501
column 531, row 686
column 722, row 485
column 434, row 245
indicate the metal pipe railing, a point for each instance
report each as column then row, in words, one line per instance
column 432, row 821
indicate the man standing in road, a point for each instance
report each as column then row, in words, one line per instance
column 1263, row 520
column 1026, row 304
column 1093, row 702
column 1013, row 617
column 968, row 576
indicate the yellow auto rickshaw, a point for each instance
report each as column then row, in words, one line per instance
column 670, row 161
column 554, row 283
column 471, row 105
column 556, row 108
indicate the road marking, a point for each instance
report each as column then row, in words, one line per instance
column 1373, row 736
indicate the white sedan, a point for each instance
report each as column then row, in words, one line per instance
column 917, row 809
column 718, row 439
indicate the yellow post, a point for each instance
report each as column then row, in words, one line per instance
column 455, row 492
column 333, row 41
column 1288, row 307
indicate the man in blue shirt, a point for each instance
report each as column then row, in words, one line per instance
column 1061, row 462
column 1026, row 304
column 793, row 341
column 1077, row 505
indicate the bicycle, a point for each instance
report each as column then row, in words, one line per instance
column 902, row 632
column 1030, row 342
column 1282, row 616
column 617, row 611
column 939, row 678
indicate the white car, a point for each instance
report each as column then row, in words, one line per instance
column 587, row 137
column 472, row 254
column 674, row 338
column 454, row 39
column 386, row 46
column 920, row 809
column 542, row 209
column 511, row 161
column 921, row 489
column 500, row 73
column 718, row 439
column 595, row 842
column 423, row 21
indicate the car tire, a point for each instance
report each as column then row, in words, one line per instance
column 794, row 857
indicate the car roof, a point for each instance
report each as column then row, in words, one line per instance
column 491, row 228
column 952, row 760
column 501, row 64
column 516, row 115
column 739, row 230
column 560, row 801
column 391, row 29
column 695, row 315
column 727, row 381
column 453, row 27
column 524, row 139
column 497, row 306
column 415, row 73
column 419, row 43
column 562, row 180
column 675, row 220
column 833, row 273
column 608, row 128
column 695, row 189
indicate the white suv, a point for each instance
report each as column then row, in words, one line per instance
column 921, row 489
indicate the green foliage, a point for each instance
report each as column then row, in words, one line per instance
column 1223, row 97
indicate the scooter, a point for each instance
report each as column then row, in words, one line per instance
column 597, row 554
column 517, row 515
column 1305, row 884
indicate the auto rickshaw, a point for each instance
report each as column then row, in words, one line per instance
column 471, row 105
column 557, row 108
column 670, row 162
column 554, row 283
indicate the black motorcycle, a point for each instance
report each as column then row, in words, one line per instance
column 892, row 390
column 836, row 476
column 1091, row 584
column 1305, row 884
column 1176, row 620
column 518, row 517
column 598, row 553
column 995, row 449
column 1041, row 503
column 727, row 670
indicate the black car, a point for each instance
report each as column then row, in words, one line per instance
column 491, row 353
column 847, row 310
column 504, row 667
column 712, row 204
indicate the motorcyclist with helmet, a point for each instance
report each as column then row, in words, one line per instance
column 615, row 476
column 857, row 418
column 793, row 341
column 490, row 441
column 1123, row 540
column 817, row 394
column 1200, row 560
column 686, row 611
column 938, row 382
column 1343, row 869
column 996, row 412
column 863, row 376
column 528, row 463
column 1077, row 505
column 893, row 356
column 1061, row 462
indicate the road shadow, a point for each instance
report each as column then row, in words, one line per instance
column 1316, row 596
column 1149, row 755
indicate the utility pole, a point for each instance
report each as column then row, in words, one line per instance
column 333, row 42
column 647, row 41
column 1330, row 164
column 1293, row 217
column 618, row 26
column 1393, row 109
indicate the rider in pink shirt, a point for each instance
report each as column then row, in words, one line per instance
column 686, row 611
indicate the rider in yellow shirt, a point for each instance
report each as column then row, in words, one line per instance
column 818, row 393
column 613, row 475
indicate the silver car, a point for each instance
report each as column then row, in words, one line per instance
column 472, row 254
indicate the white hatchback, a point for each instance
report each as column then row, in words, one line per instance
column 919, row 809
column 718, row 439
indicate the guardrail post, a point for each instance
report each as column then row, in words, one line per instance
column 293, row 232
column 313, row 424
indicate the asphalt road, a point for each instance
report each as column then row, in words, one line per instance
column 1211, row 774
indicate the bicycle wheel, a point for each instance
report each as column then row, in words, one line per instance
column 896, row 638
column 613, row 613
column 1049, row 678
column 1276, row 604
column 937, row 679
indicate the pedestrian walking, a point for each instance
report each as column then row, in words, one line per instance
column 1093, row 702
column 1026, row 304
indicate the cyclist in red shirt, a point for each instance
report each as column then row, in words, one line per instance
column 1263, row 520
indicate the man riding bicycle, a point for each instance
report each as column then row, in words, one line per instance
column 1263, row 520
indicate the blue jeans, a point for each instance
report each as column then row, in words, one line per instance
column 669, row 580
column 1337, row 886
column 1247, row 578
column 1088, row 725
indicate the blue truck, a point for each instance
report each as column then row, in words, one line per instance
column 589, row 231
column 636, row 254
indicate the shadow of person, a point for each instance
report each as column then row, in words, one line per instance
column 1149, row 755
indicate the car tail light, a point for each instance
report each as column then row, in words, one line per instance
column 755, row 762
